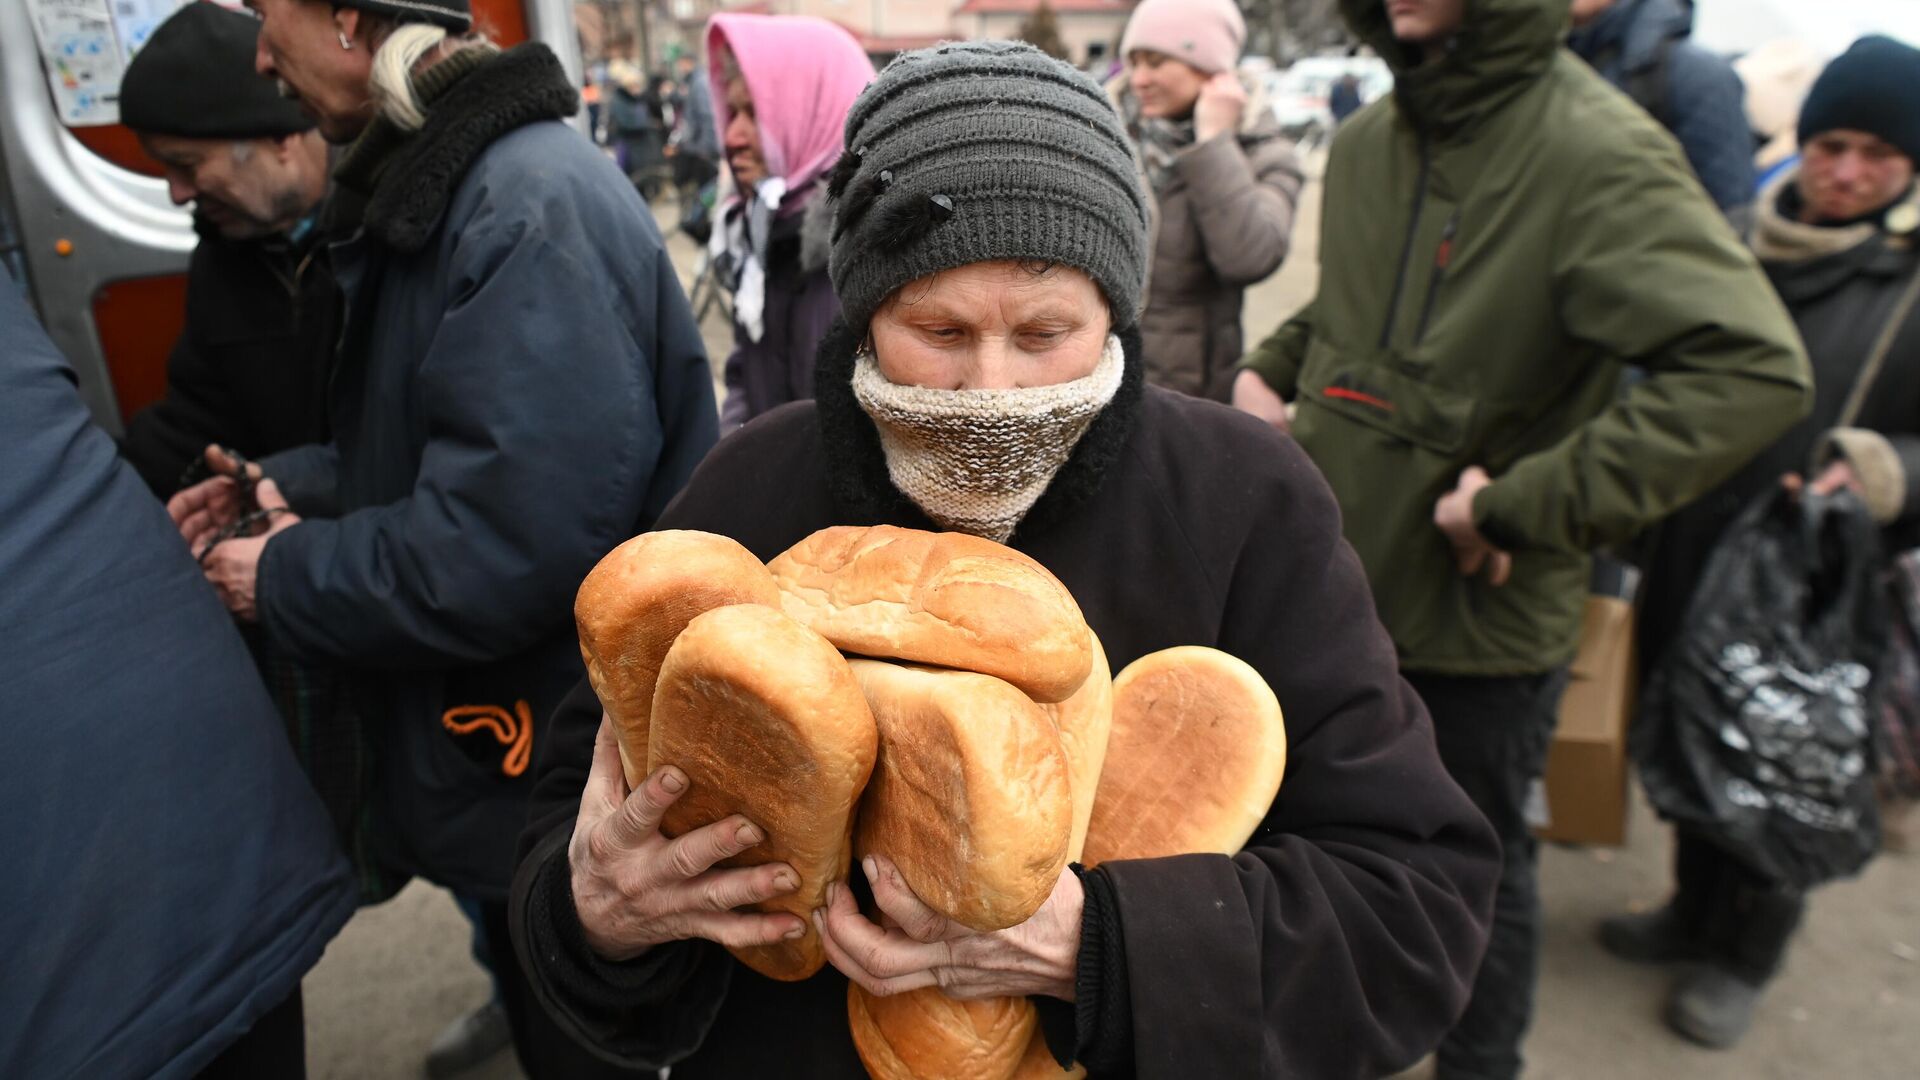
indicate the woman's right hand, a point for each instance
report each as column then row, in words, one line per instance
column 633, row 888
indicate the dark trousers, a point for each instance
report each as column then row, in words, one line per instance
column 275, row 1046
column 1493, row 735
column 545, row 1052
column 1745, row 918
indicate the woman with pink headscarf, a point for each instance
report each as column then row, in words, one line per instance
column 782, row 86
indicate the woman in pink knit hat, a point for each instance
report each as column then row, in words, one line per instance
column 782, row 86
column 1223, row 179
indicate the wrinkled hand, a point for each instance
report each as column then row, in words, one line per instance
column 233, row 566
column 1837, row 476
column 1834, row 477
column 212, row 504
column 918, row 947
column 1251, row 394
column 1222, row 102
column 1472, row 552
column 634, row 888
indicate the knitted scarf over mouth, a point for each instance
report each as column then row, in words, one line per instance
column 976, row 461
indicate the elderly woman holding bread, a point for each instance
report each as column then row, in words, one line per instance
column 982, row 467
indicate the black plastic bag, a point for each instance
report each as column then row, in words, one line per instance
column 1757, row 728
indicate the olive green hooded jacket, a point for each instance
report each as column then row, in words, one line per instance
column 1498, row 241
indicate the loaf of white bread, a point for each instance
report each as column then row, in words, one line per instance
column 635, row 603
column 982, row 744
column 969, row 796
column 947, row 599
column 925, row 1033
column 766, row 720
column 1193, row 758
column 1085, row 723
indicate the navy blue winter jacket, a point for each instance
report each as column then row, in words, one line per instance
column 170, row 873
column 520, row 388
column 1638, row 43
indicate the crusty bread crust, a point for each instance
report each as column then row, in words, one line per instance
column 926, row 1035
column 1084, row 722
column 1197, row 753
column 766, row 720
column 969, row 796
column 634, row 604
column 942, row 1037
column 947, row 599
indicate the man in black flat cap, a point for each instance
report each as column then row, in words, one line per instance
column 250, row 368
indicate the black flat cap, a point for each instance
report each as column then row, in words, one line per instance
column 195, row 78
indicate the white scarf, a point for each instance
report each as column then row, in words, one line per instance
column 977, row 460
column 740, row 246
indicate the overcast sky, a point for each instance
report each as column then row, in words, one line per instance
column 1734, row 26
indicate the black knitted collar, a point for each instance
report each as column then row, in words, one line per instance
column 521, row 86
column 857, row 467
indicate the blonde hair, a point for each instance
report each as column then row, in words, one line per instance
column 400, row 52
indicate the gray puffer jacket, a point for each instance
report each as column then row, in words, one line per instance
column 1224, row 219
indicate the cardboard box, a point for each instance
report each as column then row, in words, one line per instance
column 1586, row 782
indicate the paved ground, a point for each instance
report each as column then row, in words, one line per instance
column 1848, row 1004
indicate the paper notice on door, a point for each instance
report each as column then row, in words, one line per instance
column 134, row 21
column 81, row 54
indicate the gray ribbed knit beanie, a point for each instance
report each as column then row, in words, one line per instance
column 975, row 151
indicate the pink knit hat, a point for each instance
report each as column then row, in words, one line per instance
column 1207, row 34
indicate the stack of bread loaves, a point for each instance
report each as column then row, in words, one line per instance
column 975, row 738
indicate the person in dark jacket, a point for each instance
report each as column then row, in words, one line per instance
column 1837, row 237
column 171, row 877
column 781, row 87
column 634, row 125
column 250, row 369
column 1644, row 48
column 1344, row 99
column 521, row 386
column 1339, row 942
column 695, row 144
column 1223, row 180
column 1495, row 247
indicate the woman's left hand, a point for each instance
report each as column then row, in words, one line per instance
column 918, row 947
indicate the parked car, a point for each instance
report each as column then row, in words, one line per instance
column 1299, row 94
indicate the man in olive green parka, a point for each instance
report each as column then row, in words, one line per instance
column 1499, row 240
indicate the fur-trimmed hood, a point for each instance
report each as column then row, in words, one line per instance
column 1778, row 238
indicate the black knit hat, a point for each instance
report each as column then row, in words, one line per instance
column 1872, row 87
column 195, row 78
column 978, row 151
column 455, row 15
